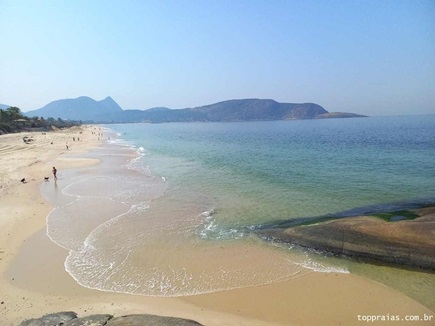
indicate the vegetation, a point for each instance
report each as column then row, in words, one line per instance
column 12, row 120
column 400, row 215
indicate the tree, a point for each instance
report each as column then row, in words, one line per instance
column 11, row 114
column 15, row 112
column 9, row 123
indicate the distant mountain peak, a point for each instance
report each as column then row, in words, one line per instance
column 110, row 103
column 80, row 108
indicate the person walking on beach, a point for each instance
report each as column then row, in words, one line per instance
column 54, row 173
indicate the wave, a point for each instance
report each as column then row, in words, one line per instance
column 321, row 268
column 211, row 229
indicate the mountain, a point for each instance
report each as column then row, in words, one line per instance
column 232, row 110
column 258, row 109
column 81, row 108
column 4, row 106
column 244, row 110
column 108, row 111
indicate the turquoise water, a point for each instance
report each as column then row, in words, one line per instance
column 170, row 209
column 259, row 172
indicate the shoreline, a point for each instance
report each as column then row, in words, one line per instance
column 325, row 298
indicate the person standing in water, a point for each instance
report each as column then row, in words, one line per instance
column 54, row 173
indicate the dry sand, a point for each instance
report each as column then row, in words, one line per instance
column 33, row 281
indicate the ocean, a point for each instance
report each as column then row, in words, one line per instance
column 171, row 208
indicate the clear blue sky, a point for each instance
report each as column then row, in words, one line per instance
column 368, row 57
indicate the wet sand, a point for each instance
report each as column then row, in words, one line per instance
column 34, row 282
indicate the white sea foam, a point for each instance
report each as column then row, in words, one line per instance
column 138, row 164
column 207, row 214
column 303, row 259
column 318, row 267
column 210, row 228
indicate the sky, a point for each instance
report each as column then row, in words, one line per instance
column 367, row 57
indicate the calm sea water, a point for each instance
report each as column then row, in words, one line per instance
column 258, row 172
column 171, row 196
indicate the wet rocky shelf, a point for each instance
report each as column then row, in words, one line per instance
column 400, row 238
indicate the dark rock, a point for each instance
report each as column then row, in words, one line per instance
column 51, row 319
column 69, row 318
column 150, row 320
column 93, row 320
column 409, row 243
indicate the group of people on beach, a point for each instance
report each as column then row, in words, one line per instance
column 54, row 170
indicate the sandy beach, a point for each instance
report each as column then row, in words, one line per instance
column 34, row 282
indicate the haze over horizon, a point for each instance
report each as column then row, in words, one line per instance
column 365, row 57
